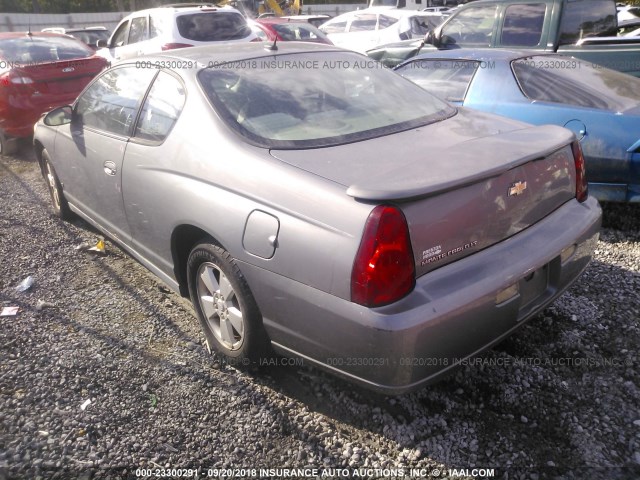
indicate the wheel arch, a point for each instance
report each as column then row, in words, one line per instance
column 183, row 239
column 38, row 148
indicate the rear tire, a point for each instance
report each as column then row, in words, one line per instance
column 8, row 145
column 228, row 313
column 60, row 205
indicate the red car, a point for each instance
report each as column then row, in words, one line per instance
column 38, row 72
column 283, row 29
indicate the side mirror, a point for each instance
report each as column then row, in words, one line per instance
column 102, row 43
column 59, row 116
column 432, row 38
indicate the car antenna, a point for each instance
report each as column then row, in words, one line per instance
column 274, row 46
column 29, row 34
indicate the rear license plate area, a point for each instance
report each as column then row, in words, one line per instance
column 533, row 286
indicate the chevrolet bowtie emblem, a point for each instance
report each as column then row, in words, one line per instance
column 517, row 188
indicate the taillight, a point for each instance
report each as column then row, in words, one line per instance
column 383, row 270
column 10, row 78
column 582, row 189
column 173, row 46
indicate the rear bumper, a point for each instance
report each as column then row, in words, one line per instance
column 20, row 113
column 452, row 314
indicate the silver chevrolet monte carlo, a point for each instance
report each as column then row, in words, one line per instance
column 314, row 203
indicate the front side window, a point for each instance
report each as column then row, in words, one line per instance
column 120, row 36
column 472, row 26
column 448, row 79
column 306, row 101
column 111, row 103
column 161, row 108
column 523, row 25
column 138, row 30
column 587, row 18
column 213, row 26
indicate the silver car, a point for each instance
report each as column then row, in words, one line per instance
column 314, row 203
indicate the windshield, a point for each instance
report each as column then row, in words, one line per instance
column 29, row 50
column 569, row 80
column 303, row 100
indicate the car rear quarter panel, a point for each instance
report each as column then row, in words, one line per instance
column 203, row 175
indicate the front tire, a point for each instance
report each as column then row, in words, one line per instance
column 228, row 313
column 60, row 205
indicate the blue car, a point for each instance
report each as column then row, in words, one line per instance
column 601, row 106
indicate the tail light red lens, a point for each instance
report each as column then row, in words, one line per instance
column 9, row 78
column 173, row 46
column 582, row 189
column 383, row 270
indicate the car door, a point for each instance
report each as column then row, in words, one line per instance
column 93, row 145
column 152, row 169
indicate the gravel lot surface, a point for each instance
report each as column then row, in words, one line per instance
column 103, row 371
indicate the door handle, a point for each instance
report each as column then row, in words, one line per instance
column 110, row 168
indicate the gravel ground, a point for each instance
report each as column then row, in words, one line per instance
column 103, row 372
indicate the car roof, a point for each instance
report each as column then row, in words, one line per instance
column 31, row 34
column 390, row 12
column 237, row 52
column 482, row 54
column 184, row 8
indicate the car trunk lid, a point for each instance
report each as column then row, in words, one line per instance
column 52, row 80
column 463, row 185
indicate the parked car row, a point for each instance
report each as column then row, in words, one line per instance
column 600, row 106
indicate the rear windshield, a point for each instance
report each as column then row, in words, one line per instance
column 299, row 31
column 302, row 100
column 91, row 37
column 213, row 26
column 34, row 49
column 569, row 80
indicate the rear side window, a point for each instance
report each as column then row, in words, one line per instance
column 448, row 79
column 334, row 27
column 385, row 21
column 161, row 109
column 587, row 18
column 42, row 49
column 574, row 82
column 110, row 104
column 213, row 26
column 472, row 26
column 120, row 36
column 363, row 23
column 523, row 25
